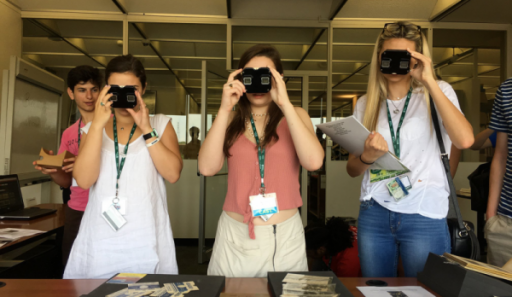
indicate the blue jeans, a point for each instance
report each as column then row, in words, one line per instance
column 384, row 236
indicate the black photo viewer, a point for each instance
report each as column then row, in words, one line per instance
column 123, row 96
column 257, row 80
column 395, row 62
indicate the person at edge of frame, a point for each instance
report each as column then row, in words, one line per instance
column 498, row 226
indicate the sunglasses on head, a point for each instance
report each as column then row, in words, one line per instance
column 388, row 24
column 400, row 26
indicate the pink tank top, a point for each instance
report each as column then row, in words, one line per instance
column 281, row 174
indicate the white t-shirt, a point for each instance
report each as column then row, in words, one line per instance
column 419, row 151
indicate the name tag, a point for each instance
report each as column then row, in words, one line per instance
column 397, row 189
column 120, row 206
column 264, row 206
column 113, row 218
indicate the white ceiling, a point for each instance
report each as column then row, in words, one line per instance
column 67, row 5
column 483, row 11
column 184, row 46
column 180, row 7
column 283, row 9
column 387, row 9
column 479, row 11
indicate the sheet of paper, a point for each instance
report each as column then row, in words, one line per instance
column 410, row 291
column 126, row 278
column 4, row 242
column 351, row 135
column 15, row 233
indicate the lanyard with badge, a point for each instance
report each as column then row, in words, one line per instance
column 263, row 205
column 114, row 209
column 79, row 134
column 400, row 184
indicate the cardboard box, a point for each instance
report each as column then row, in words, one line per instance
column 53, row 161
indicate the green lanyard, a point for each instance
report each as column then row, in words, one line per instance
column 261, row 156
column 119, row 166
column 396, row 140
column 79, row 135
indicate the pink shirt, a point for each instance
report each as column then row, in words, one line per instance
column 281, row 174
column 69, row 142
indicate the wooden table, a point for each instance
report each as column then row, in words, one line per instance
column 464, row 195
column 50, row 224
column 64, row 288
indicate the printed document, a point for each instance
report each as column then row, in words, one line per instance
column 351, row 135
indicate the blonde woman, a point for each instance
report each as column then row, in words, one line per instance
column 396, row 108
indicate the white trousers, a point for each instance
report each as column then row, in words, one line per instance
column 280, row 247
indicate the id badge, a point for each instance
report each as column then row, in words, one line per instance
column 264, row 206
column 406, row 182
column 114, row 219
column 120, row 206
column 397, row 189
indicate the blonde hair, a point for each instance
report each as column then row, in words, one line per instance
column 377, row 91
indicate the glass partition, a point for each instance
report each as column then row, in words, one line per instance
column 471, row 61
column 172, row 55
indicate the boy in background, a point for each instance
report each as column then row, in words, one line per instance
column 84, row 84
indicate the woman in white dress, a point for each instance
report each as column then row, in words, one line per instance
column 124, row 160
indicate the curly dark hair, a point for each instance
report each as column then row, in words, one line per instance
column 335, row 235
column 84, row 74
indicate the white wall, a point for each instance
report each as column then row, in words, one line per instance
column 469, row 100
column 171, row 99
column 342, row 193
column 31, row 195
column 10, row 44
column 183, row 202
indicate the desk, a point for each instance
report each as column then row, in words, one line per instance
column 464, row 195
column 65, row 288
column 50, row 224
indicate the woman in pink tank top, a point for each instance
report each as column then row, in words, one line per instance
column 266, row 140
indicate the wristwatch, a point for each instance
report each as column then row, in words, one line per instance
column 150, row 135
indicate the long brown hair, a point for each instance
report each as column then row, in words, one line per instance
column 243, row 112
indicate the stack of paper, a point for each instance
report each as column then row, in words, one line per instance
column 480, row 267
column 306, row 285
column 153, row 289
column 466, row 191
column 12, row 234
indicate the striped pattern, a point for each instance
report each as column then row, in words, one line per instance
column 501, row 121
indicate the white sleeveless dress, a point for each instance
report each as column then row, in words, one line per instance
column 145, row 243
